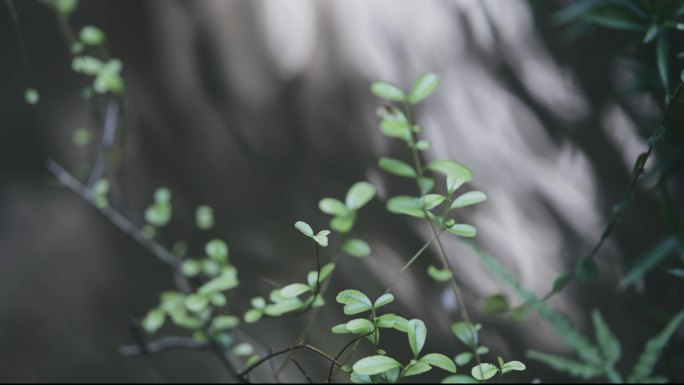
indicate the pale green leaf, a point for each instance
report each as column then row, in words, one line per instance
column 417, row 333
column 294, row 290
column 375, row 365
column 359, row 194
column 304, row 228
column 423, row 87
column 356, row 247
column 388, row 91
column 484, row 371
column 469, row 198
column 333, row 206
column 383, row 300
column 355, row 302
column 439, row 360
column 397, row 167
column 439, row 275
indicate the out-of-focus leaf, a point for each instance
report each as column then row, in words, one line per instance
column 649, row 260
column 654, row 347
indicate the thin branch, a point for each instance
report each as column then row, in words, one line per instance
column 301, row 370
column 287, row 350
column 108, row 136
column 331, row 374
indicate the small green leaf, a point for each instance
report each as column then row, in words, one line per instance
column 426, row 185
column 512, row 365
column 456, row 173
column 359, row 195
column 417, row 332
column 430, row 201
column 31, row 96
column 388, row 91
column 423, row 87
column 587, row 269
column 196, row 303
column 397, row 167
column 423, row 145
column 92, row 35
column 383, row 300
column 294, row 290
column 159, row 214
column 360, row 326
column 460, row 379
column 415, row 368
column 439, row 275
column 482, row 350
column 439, row 360
column 355, row 302
column 342, row 224
column 462, row 230
column 495, row 304
column 650, row 260
column 304, row 228
column 465, row 332
column 484, row 371
column 154, row 320
column 340, row 329
column 406, row 205
column 396, row 129
column 664, row 62
column 322, row 238
column 333, row 206
column 226, row 281
column 224, row 322
column 375, row 365
column 243, row 350
column 253, row 316
column 469, row 198
column 651, row 33
column 204, row 217
column 356, row 247
column 610, row 346
column 654, row 346
column 87, row 65
column 561, row 364
column 217, row 250
column 561, row 281
column 463, row 358
column 218, row 299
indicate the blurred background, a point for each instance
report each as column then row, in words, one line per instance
column 261, row 108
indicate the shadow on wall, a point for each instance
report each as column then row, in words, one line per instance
column 260, row 109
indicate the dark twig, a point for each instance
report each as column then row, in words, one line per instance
column 287, row 350
column 301, row 370
column 344, row 348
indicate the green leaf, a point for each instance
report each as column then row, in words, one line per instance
column 356, row 247
column 204, row 217
column 196, row 303
column 354, row 301
column 154, row 320
column 417, row 332
column 392, row 375
column 218, row 299
column 648, row 261
column 615, row 18
column 388, row 91
column 561, row 364
column 304, row 228
column 226, row 281
column 651, row 33
column 587, row 269
column 159, row 214
column 439, row 275
column 462, row 230
column 322, row 237
column 654, row 346
column 460, row 379
column 439, row 360
column 385, row 321
column 312, row 277
column 482, row 350
column 456, row 173
column 423, row 87
column 217, row 250
column 342, row 224
column 495, row 304
column 430, row 201
column 676, row 272
column 64, row 7
column 31, row 96
column 469, row 198
column 243, row 350
column 512, row 365
column 383, row 300
column 397, row 167
column 610, row 346
column 465, row 332
column 283, row 306
column 92, row 35
column 663, row 49
column 360, row 326
column 406, row 205
column 332, row 206
column 463, row 358
column 395, row 129
column 340, row 329
column 360, row 379
column 561, row 281
column 294, row 290
column 426, row 185
column 415, row 368
column 253, row 316
column 87, row 65
column 375, row 365
column 484, row 371
column 224, row 322
column 359, row 194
